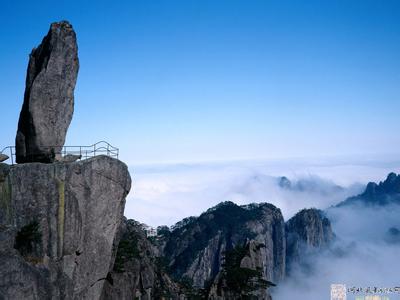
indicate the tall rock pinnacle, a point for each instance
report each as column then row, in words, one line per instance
column 49, row 96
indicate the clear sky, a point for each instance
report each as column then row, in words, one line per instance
column 215, row 80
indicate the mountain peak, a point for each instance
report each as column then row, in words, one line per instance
column 285, row 183
column 387, row 191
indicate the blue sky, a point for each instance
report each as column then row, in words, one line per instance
column 170, row 81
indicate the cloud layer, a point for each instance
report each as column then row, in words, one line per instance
column 165, row 194
column 361, row 256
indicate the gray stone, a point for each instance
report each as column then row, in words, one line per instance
column 3, row 157
column 219, row 228
column 4, row 170
column 139, row 275
column 253, row 259
column 307, row 233
column 49, row 96
column 78, row 208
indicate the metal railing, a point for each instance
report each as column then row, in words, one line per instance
column 99, row 148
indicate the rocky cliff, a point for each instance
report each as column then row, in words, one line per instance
column 307, row 232
column 58, row 220
column 196, row 248
column 241, row 276
column 58, row 223
column 138, row 271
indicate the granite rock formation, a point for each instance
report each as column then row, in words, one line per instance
column 195, row 248
column 241, row 276
column 49, row 96
column 59, row 220
column 138, row 272
column 58, row 223
column 307, row 232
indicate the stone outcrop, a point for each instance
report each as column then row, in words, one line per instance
column 195, row 248
column 306, row 232
column 49, row 96
column 59, row 218
column 58, row 223
column 138, row 272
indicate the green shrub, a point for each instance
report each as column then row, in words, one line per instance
column 28, row 239
column 127, row 251
column 241, row 281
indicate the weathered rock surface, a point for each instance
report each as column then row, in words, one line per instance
column 58, row 223
column 306, row 232
column 138, row 272
column 49, row 96
column 249, row 260
column 195, row 248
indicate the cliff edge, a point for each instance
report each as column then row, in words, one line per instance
column 58, row 223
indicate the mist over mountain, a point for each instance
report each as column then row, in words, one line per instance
column 174, row 192
column 375, row 194
column 342, row 244
column 364, row 251
column 212, row 150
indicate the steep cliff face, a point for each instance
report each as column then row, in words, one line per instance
column 49, row 96
column 138, row 271
column 195, row 248
column 241, row 275
column 58, row 223
column 309, row 230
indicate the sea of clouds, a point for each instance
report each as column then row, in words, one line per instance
column 360, row 256
column 165, row 194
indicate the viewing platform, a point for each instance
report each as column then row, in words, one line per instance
column 78, row 152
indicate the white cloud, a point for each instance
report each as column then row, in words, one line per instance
column 165, row 194
column 360, row 256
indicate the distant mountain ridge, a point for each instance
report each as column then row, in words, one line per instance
column 313, row 185
column 383, row 193
column 206, row 257
column 195, row 249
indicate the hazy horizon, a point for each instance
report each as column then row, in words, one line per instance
column 163, row 194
